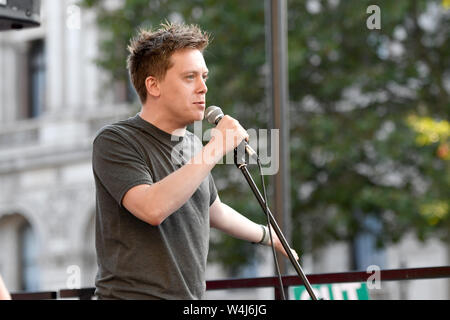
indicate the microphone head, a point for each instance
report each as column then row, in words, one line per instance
column 213, row 114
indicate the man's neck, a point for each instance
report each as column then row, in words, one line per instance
column 161, row 123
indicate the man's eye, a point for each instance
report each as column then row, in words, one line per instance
column 190, row 77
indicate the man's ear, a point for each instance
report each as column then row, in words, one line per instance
column 152, row 86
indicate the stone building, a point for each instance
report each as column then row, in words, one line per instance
column 51, row 105
column 52, row 102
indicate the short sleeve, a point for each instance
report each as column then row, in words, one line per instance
column 117, row 165
column 212, row 190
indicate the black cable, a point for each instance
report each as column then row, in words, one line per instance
column 270, row 230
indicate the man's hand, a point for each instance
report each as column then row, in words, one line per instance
column 227, row 135
column 279, row 247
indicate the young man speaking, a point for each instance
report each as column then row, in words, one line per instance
column 154, row 214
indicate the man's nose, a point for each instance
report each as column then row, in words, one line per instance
column 202, row 87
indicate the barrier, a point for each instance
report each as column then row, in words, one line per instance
column 324, row 278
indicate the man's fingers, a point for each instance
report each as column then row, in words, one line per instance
column 295, row 254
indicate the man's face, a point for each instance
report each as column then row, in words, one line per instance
column 183, row 90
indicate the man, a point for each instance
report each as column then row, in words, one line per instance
column 154, row 213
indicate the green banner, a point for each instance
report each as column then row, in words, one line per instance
column 335, row 291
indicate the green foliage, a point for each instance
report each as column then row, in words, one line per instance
column 351, row 149
column 353, row 92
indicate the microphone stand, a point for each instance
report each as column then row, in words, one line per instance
column 239, row 160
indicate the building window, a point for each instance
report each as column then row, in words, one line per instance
column 37, row 79
column 365, row 248
column 29, row 274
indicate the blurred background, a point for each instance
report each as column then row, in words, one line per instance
column 369, row 134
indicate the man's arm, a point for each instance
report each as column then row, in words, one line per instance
column 154, row 203
column 228, row 220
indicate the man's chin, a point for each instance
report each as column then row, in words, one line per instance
column 200, row 116
column 194, row 119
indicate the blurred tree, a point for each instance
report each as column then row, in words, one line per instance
column 357, row 115
column 369, row 109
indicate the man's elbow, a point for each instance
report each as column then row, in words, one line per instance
column 144, row 205
column 147, row 214
column 151, row 217
column 155, row 222
column 154, row 216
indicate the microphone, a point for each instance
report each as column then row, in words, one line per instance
column 214, row 114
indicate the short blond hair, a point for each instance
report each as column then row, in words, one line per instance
column 150, row 51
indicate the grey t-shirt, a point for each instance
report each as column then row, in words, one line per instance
column 135, row 259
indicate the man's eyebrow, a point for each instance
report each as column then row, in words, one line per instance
column 194, row 72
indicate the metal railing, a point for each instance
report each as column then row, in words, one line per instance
column 262, row 282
